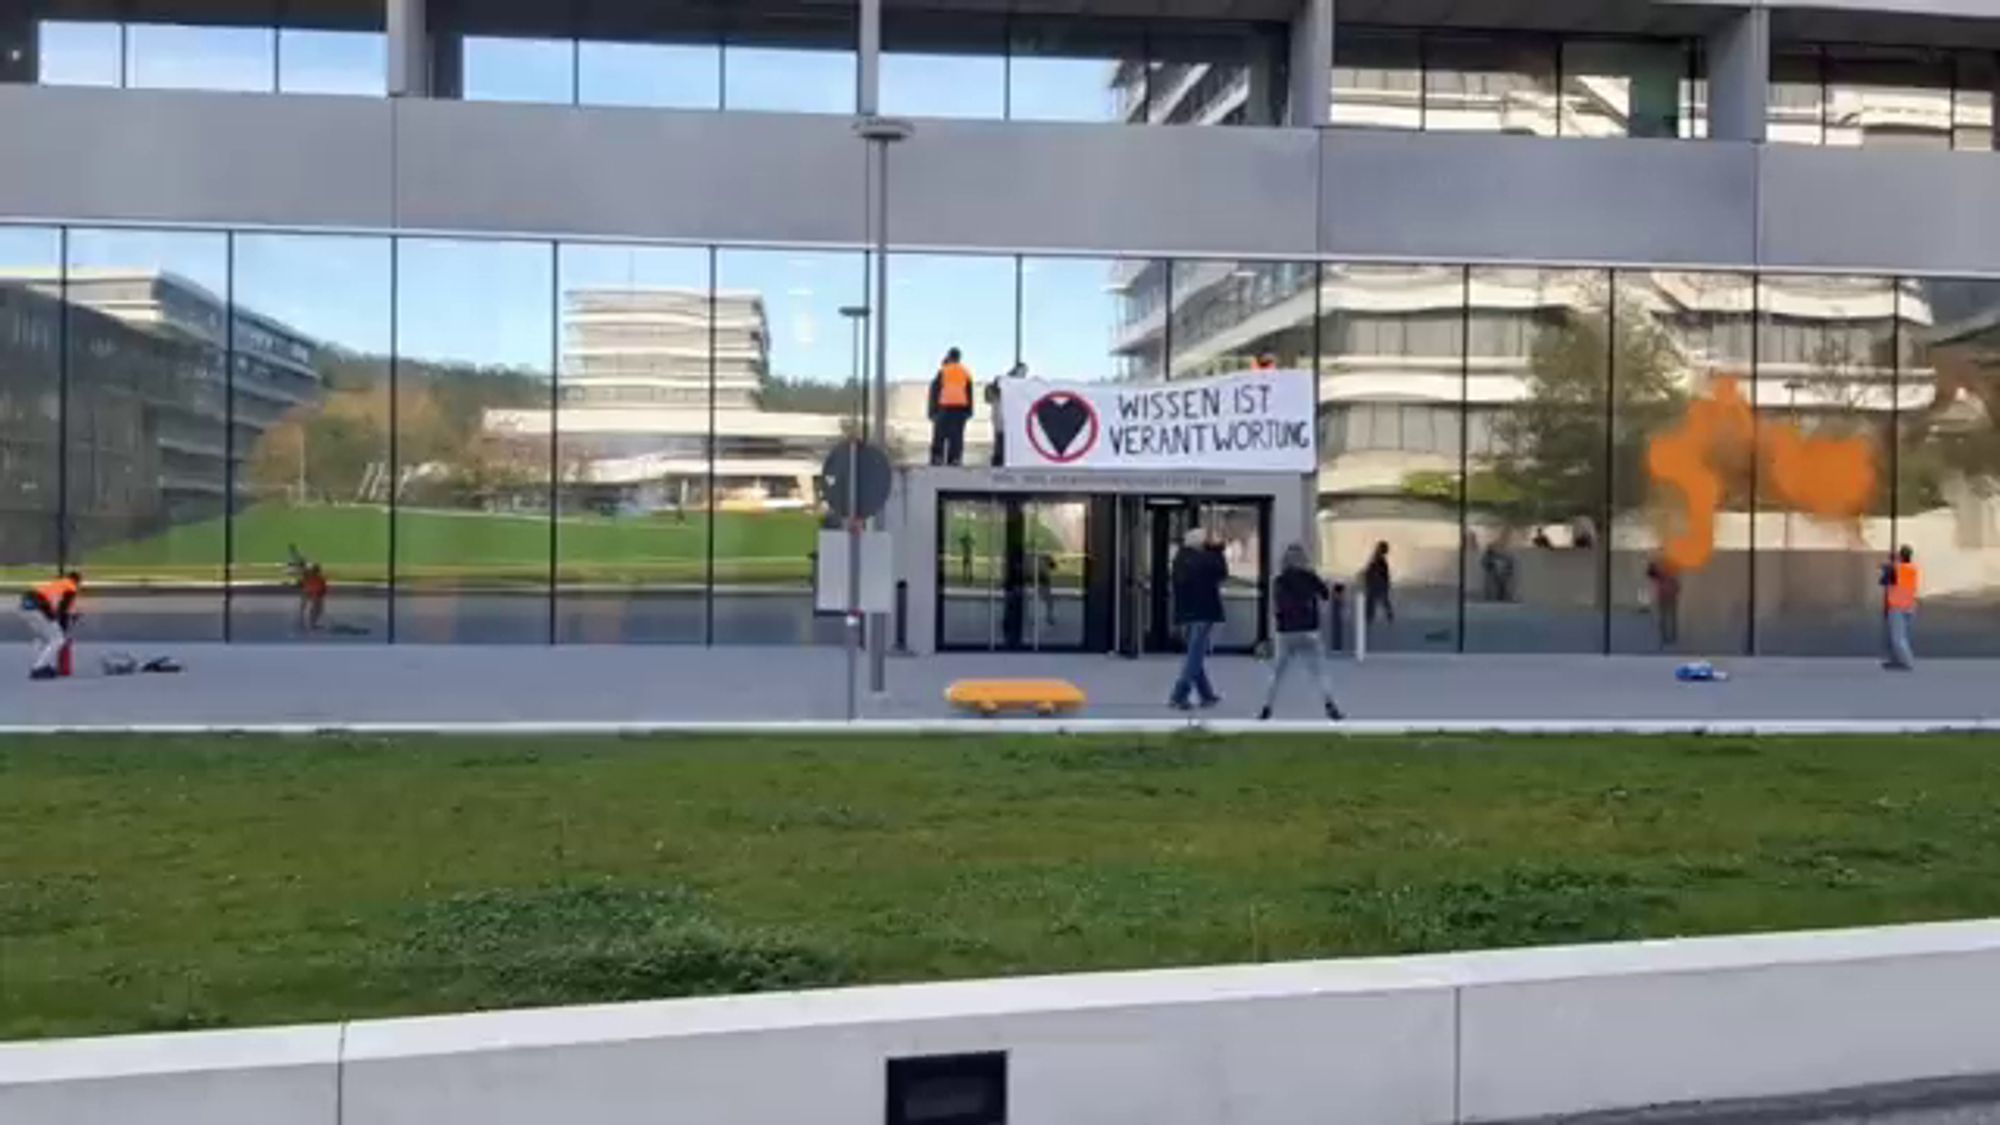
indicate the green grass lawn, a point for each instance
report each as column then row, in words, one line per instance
column 352, row 542
column 173, row 883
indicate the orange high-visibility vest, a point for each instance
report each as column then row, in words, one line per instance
column 954, row 387
column 54, row 592
column 1903, row 594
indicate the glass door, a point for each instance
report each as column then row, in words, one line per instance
column 1055, row 560
column 1014, row 573
column 1242, row 527
column 971, row 560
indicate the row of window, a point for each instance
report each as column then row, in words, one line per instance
column 1383, row 78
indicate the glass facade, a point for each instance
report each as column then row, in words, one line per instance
column 526, row 441
column 1517, row 82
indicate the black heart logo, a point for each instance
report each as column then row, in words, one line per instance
column 1061, row 419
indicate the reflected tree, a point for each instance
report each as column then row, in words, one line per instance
column 1549, row 465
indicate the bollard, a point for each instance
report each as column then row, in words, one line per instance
column 1360, row 628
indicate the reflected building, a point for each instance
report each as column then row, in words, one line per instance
column 149, row 408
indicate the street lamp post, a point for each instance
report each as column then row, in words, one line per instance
column 880, row 133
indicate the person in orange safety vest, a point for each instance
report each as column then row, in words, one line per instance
column 49, row 610
column 1900, row 578
column 950, row 409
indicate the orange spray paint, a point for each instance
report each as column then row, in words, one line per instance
column 1831, row 478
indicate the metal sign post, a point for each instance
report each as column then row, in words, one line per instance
column 855, row 480
column 857, row 315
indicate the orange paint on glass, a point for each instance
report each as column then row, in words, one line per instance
column 1830, row 478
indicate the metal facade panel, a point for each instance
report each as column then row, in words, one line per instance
column 205, row 158
column 1095, row 188
column 624, row 173
column 1476, row 197
column 1873, row 212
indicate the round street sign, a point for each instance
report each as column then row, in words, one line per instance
column 858, row 472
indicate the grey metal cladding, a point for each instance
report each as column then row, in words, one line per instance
column 170, row 157
column 738, row 177
column 1931, row 212
column 1130, row 189
column 1480, row 196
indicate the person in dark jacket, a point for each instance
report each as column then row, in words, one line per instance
column 1297, row 593
column 49, row 611
column 1198, row 574
column 1375, row 583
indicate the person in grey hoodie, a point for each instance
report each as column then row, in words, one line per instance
column 1296, row 595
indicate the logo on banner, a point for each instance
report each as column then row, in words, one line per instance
column 1062, row 427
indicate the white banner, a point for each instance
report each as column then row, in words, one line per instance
column 1257, row 421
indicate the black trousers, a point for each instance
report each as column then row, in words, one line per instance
column 948, row 436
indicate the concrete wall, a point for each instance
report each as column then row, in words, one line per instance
column 443, row 166
column 1470, row 1037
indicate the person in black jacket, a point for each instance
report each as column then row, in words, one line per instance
column 1198, row 574
column 1297, row 593
column 1375, row 584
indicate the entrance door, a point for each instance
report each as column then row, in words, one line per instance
column 1015, row 574
column 1152, row 530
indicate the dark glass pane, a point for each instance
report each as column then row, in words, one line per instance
column 785, row 360
column 1825, row 377
column 1948, row 462
column 1139, row 340
column 474, row 341
column 951, row 68
column 1391, row 415
column 1539, row 358
column 633, row 417
column 1881, row 97
column 30, row 412
column 1075, row 70
column 312, row 61
column 938, row 302
column 1498, row 84
column 311, row 389
column 1378, row 79
column 1221, row 78
column 148, row 442
column 1798, row 94
column 803, row 65
column 80, row 54
column 663, row 75
column 1972, row 116
column 519, row 70
column 168, row 56
column 1624, row 88
column 1229, row 314
column 1675, row 588
column 1072, row 321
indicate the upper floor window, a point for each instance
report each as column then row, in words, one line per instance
column 180, row 56
column 1859, row 96
column 1534, row 84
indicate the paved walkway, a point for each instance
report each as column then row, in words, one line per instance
column 250, row 685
